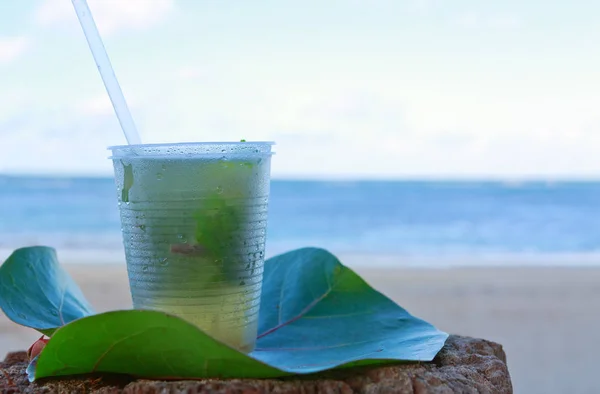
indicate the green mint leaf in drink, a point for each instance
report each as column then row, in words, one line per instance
column 219, row 221
column 127, row 181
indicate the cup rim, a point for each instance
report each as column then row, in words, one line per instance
column 176, row 144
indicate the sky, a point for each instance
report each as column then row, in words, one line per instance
column 351, row 89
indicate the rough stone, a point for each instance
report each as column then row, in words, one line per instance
column 465, row 365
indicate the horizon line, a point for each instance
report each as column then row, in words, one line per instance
column 357, row 178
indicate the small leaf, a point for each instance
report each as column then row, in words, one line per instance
column 36, row 292
column 30, row 370
column 315, row 315
column 36, row 348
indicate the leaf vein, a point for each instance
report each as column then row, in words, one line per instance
column 310, row 348
column 339, row 316
column 293, row 319
column 112, row 346
column 280, row 316
column 62, row 301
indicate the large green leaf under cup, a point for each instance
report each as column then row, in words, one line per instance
column 316, row 314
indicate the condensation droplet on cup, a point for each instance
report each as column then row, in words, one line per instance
column 164, row 167
column 22, row 316
column 54, row 313
column 164, row 262
column 220, row 189
column 243, row 283
column 159, row 176
column 145, row 268
column 142, row 227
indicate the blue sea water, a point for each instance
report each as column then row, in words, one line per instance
column 409, row 218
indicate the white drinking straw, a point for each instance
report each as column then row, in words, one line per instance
column 106, row 71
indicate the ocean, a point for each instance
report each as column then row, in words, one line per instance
column 528, row 222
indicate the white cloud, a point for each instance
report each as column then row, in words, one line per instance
column 505, row 22
column 12, row 47
column 478, row 20
column 424, row 5
column 57, row 141
column 111, row 16
column 99, row 105
column 190, row 72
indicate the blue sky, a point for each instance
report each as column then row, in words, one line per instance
column 347, row 89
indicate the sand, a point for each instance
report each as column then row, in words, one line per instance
column 546, row 318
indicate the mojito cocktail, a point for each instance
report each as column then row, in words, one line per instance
column 194, row 220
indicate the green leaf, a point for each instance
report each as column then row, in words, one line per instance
column 315, row 315
column 36, row 292
column 146, row 344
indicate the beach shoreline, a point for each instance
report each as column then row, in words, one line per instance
column 379, row 261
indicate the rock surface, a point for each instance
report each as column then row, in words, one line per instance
column 465, row 365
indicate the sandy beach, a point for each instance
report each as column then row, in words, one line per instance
column 546, row 318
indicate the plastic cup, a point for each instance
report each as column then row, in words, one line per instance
column 194, row 221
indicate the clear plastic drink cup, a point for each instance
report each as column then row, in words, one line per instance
column 194, row 221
